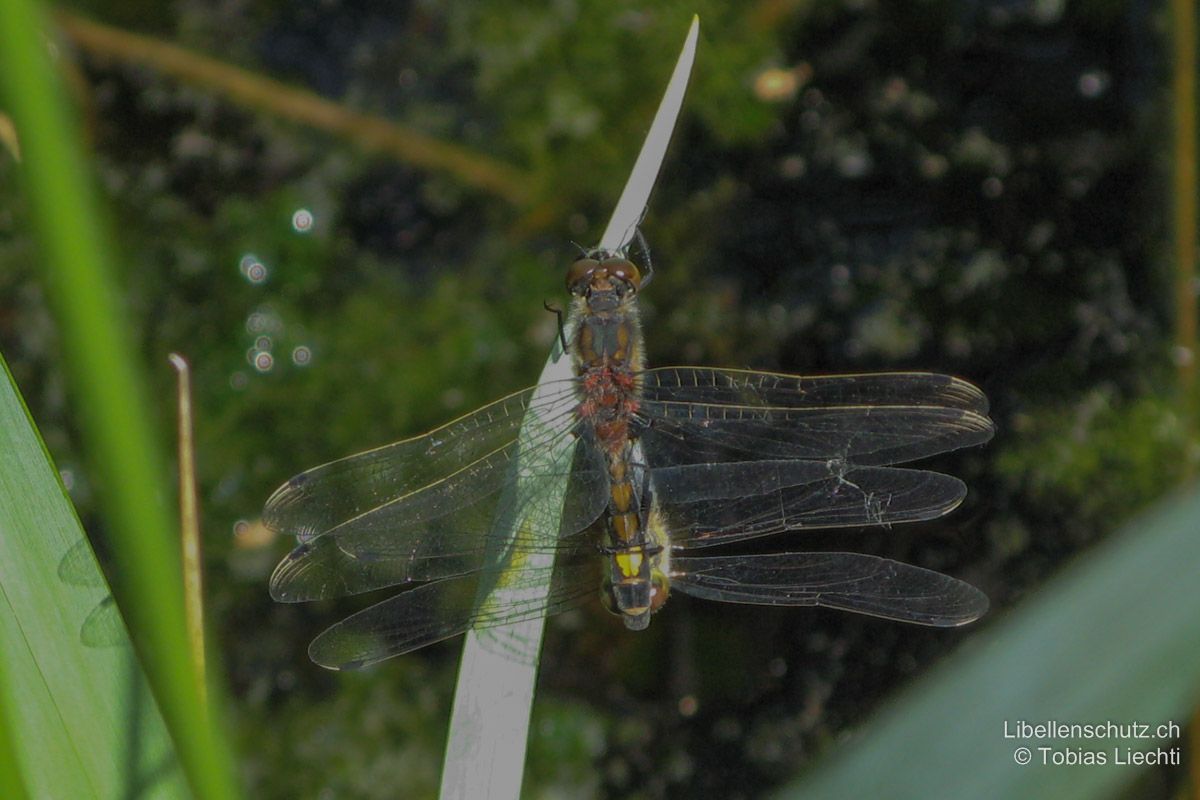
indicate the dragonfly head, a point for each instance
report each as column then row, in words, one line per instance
column 604, row 281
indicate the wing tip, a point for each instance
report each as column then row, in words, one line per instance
column 968, row 602
column 287, row 568
column 323, row 654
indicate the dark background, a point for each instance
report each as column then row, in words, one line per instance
column 977, row 188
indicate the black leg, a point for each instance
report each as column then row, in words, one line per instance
column 557, row 312
column 648, row 271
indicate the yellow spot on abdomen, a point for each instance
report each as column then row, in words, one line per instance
column 629, row 563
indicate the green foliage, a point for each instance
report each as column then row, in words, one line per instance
column 398, row 718
column 1100, row 458
column 565, row 740
column 74, row 261
column 79, row 717
column 576, row 112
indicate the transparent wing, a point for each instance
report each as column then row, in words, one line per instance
column 732, row 387
column 709, row 504
column 431, row 507
column 848, row 581
column 435, row 611
column 696, row 415
column 370, row 487
column 736, row 454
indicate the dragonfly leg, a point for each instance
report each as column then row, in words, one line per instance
column 557, row 312
column 648, row 272
column 645, row 499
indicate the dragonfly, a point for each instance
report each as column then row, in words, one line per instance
column 640, row 475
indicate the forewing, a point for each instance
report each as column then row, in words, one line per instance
column 733, row 387
column 695, row 415
column 368, row 486
column 854, row 582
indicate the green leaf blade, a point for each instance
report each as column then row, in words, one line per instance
column 108, row 385
column 84, row 722
column 946, row 736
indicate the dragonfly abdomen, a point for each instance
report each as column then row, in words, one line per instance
column 629, row 578
column 609, row 404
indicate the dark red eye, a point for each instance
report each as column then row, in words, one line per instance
column 623, row 269
column 580, row 274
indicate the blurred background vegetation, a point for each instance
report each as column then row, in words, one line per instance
column 981, row 188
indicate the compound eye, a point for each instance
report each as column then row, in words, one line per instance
column 624, row 270
column 580, row 274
